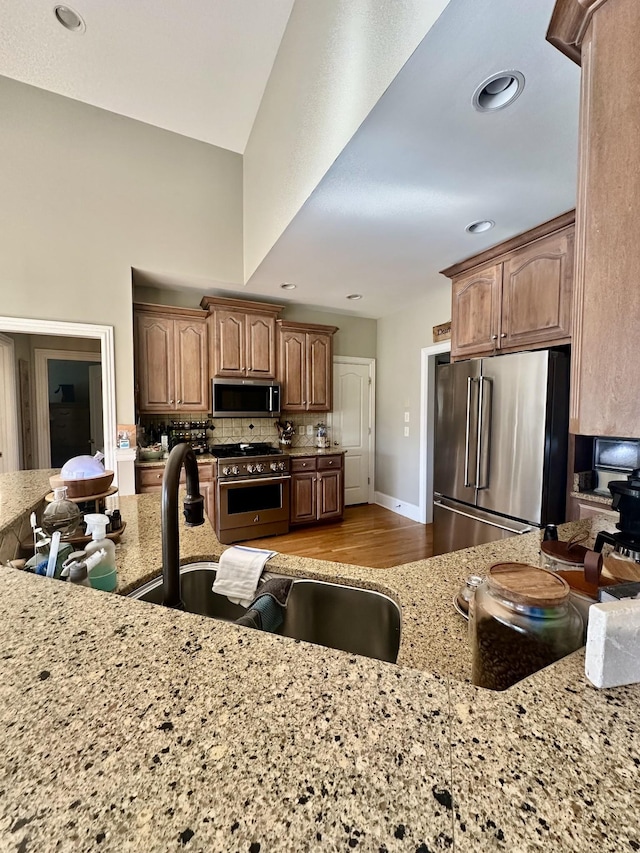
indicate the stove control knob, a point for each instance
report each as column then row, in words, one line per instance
column 258, row 468
column 235, row 470
column 274, row 466
column 251, row 469
column 226, row 470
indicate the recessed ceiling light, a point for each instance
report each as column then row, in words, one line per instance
column 354, row 296
column 480, row 226
column 69, row 19
column 287, row 285
column 497, row 91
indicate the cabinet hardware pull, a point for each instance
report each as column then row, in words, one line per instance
column 494, row 337
column 503, row 335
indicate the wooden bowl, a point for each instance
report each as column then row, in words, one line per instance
column 84, row 488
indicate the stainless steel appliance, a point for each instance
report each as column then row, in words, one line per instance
column 245, row 398
column 500, row 447
column 252, row 491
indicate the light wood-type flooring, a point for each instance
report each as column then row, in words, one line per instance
column 367, row 536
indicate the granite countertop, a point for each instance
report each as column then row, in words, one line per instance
column 595, row 497
column 205, row 458
column 130, row 727
column 21, row 492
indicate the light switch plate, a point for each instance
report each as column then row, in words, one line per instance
column 406, row 417
column 301, row 429
column 309, row 429
column 406, row 432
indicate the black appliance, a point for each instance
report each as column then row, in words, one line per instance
column 626, row 500
column 245, row 398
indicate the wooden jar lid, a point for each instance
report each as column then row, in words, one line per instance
column 527, row 584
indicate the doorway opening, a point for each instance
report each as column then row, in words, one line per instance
column 430, row 356
column 102, row 357
column 68, row 392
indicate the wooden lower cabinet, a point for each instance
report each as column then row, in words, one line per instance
column 149, row 481
column 317, row 489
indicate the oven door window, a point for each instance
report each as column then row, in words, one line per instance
column 255, row 498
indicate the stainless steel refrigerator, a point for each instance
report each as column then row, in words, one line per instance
column 500, row 447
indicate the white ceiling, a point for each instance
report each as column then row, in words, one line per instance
column 196, row 67
column 393, row 208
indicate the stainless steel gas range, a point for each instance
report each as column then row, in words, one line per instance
column 252, row 491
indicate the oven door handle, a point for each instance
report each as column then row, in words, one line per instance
column 255, row 480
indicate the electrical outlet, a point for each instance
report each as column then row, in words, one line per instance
column 301, row 429
column 309, row 429
column 406, row 432
column 406, row 417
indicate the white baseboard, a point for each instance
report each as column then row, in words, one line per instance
column 400, row 507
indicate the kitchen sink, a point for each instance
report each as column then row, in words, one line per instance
column 360, row 621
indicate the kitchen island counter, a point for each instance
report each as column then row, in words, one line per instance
column 130, row 727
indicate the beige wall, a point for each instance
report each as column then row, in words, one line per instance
column 87, row 195
column 401, row 337
column 355, row 336
column 336, row 59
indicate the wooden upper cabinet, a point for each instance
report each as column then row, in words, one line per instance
column 305, row 366
column 476, row 312
column 516, row 295
column 171, row 364
column 536, row 292
column 602, row 36
column 242, row 337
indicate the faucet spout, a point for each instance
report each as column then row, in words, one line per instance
column 193, row 513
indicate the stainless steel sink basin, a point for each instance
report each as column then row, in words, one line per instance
column 360, row 621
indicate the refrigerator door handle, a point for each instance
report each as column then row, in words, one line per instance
column 492, row 523
column 467, row 433
column 483, row 435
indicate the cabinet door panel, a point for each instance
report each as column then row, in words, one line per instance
column 229, row 343
column 192, row 384
column 260, row 332
column 303, row 498
column 293, row 371
column 319, row 372
column 536, row 292
column 154, row 364
column 475, row 311
column 330, row 495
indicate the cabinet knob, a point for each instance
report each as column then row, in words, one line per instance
column 494, row 337
column 304, row 464
column 503, row 335
column 179, row 401
column 331, row 462
column 158, row 476
column 171, row 401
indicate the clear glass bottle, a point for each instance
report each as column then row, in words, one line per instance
column 61, row 514
column 521, row 621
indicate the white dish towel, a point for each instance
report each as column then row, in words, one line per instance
column 238, row 573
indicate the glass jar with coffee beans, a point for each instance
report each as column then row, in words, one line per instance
column 521, row 621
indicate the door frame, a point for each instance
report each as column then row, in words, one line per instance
column 107, row 355
column 427, row 427
column 9, row 403
column 41, row 359
column 371, row 362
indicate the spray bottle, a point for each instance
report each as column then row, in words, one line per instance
column 78, row 566
column 103, row 574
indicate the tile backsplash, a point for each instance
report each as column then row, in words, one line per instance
column 235, row 430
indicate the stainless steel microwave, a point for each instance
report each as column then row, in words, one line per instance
column 245, row 398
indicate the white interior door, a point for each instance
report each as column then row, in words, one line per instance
column 353, row 427
column 95, row 408
column 9, row 445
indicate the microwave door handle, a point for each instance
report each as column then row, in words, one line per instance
column 271, row 398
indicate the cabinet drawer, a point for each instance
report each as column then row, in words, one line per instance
column 303, row 463
column 326, row 463
column 153, row 476
column 150, row 476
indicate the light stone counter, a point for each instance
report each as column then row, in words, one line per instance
column 129, row 727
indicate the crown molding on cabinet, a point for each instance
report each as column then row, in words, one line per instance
column 568, row 25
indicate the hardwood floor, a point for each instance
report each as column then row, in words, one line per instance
column 368, row 536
